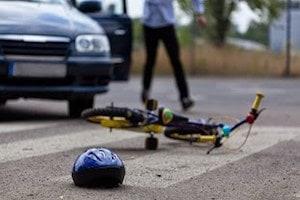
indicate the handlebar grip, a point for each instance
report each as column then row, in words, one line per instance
column 257, row 101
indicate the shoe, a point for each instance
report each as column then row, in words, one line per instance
column 187, row 103
column 145, row 96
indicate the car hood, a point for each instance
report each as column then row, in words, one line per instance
column 17, row 17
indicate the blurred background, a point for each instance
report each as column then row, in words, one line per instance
column 243, row 38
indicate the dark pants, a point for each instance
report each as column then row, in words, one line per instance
column 152, row 37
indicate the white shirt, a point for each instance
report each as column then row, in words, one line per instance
column 160, row 13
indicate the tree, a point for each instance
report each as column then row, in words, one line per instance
column 258, row 32
column 219, row 14
column 219, row 17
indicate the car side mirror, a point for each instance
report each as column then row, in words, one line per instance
column 89, row 6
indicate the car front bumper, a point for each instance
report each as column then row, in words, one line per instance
column 81, row 76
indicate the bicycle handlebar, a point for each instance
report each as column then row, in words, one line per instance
column 254, row 113
column 257, row 101
column 251, row 117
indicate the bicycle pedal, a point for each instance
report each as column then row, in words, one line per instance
column 151, row 104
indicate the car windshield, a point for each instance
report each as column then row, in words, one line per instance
column 40, row 1
column 110, row 7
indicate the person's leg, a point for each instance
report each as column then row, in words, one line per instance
column 151, row 42
column 172, row 47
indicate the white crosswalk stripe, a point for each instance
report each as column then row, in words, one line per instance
column 183, row 164
column 171, row 166
column 8, row 127
column 43, row 146
column 158, row 170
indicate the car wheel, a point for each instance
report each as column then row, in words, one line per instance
column 77, row 105
column 2, row 102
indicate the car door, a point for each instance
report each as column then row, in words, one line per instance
column 117, row 24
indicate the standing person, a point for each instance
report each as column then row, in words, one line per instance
column 159, row 24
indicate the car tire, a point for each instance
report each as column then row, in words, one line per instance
column 77, row 105
column 3, row 102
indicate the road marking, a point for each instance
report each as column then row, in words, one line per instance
column 173, row 165
column 43, row 146
column 23, row 126
column 164, row 169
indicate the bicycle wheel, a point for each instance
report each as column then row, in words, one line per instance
column 188, row 134
column 96, row 115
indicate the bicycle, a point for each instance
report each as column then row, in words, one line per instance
column 208, row 131
column 157, row 121
column 150, row 121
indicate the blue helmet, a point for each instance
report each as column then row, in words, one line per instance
column 98, row 167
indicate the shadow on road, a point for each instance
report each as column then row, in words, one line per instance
column 28, row 113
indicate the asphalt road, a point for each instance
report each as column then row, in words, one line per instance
column 38, row 145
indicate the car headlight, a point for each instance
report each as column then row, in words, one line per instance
column 92, row 44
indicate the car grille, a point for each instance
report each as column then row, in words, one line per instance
column 34, row 45
column 34, row 48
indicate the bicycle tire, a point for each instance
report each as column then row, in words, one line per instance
column 188, row 134
column 111, row 112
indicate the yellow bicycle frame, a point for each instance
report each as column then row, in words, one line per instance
column 122, row 123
